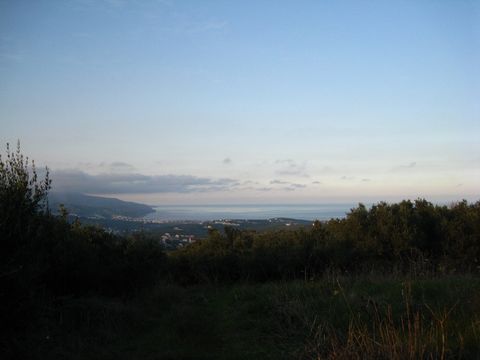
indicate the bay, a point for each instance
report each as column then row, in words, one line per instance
column 249, row 212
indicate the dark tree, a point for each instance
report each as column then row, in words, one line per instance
column 22, row 197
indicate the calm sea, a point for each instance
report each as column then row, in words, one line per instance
column 250, row 212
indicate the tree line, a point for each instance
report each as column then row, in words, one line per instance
column 414, row 237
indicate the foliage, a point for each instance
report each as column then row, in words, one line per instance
column 22, row 206
column 44, row 257
column 408, row 237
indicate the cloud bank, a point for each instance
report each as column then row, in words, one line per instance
column 115, row 183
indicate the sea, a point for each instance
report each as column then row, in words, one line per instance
column 248, row 212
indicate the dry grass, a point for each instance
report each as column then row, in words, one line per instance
column 416, row 333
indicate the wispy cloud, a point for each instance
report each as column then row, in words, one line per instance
column 289, row 167
column 298, row 186
column 116, row 183
column 404, row 167
column 290, row 186
column 325, row 170
column 105, row 167
column 116, row 3
column 293, row 187
column 278, row 182
column 264, row 189
column 120, row 166
column 227, row 161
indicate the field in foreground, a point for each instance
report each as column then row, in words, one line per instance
column 330, row 318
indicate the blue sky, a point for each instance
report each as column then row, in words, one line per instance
column 166, row 101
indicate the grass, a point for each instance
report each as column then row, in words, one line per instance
column 346, row 318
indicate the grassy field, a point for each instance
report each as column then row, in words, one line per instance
column 337, row 318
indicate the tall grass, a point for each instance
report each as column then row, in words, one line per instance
column 363, row 317
column 378, row 330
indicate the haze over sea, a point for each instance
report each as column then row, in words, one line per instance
column 250, row 212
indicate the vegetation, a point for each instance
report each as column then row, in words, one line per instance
column 393, row 281
column 415, row 238
column 99, row 207
column 45, row 259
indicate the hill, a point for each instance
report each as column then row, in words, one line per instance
column 95, row 206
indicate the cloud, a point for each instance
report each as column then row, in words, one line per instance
column 119, row 166
column 316, row 182
column 290, row 167
column 278, row 182
column 116, row 183
column 325, row 170
column 293, row 187
column 227, row 161
column 290, row 186
column 366, row 180
column 298, row 186
column 105, row 167
column 264, row 189
column 250, row 182
column 345, row 177
column 404, row 167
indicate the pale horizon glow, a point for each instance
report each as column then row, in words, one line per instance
column 188, row 102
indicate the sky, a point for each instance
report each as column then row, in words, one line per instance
column 204, row 102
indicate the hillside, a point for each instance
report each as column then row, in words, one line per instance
column 95, row 206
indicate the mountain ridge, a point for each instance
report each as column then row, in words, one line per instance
column 83, row 205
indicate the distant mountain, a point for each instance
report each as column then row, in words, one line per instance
column 95, row 206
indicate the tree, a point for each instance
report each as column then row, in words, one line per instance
column 22, row 196
column 23, row 200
